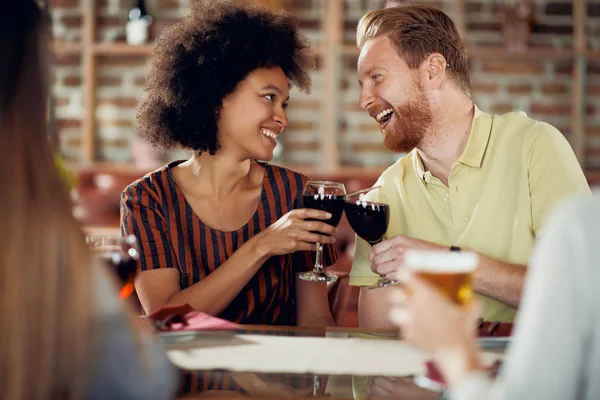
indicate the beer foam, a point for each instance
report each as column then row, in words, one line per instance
column 440, row 261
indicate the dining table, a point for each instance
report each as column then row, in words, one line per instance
column 320, row 362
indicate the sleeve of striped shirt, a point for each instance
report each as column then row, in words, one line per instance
column 141, row 216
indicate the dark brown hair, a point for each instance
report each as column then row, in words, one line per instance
column 417, row 31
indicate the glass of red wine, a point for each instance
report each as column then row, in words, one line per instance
column 370, row 222
column 121, row 255
column 327, row 196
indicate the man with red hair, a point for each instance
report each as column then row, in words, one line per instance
column 469, row 179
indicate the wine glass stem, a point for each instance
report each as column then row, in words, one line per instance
column 319, row 259
column 382, row 279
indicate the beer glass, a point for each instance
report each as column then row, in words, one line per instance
column 450, row 272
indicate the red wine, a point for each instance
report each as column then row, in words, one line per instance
column 331, row 203
column 369, row 220
column 124, row 268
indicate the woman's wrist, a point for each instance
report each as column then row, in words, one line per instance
column 260, row 251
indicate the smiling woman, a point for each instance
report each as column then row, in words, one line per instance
column 223, row 231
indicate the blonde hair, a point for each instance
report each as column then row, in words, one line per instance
column 45, row 273
column 417, row 31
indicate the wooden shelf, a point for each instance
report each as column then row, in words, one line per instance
column 102, row 49
column 117, row 48
column 494, row 53
column 331, row 52
column 121, row 49
column 593, row 55
column 593, row 176
column 65, row 48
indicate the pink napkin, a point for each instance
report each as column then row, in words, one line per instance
column 185, row 318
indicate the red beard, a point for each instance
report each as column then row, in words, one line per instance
column 412, row 120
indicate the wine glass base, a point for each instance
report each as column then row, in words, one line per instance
column 317, row 277
column 383, row 283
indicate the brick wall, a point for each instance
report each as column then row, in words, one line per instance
column 540, row 88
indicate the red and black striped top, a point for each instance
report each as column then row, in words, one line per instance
column 171, row 236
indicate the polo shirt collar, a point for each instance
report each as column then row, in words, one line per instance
column 474, row 151
column 479, row 137
column 419, row 167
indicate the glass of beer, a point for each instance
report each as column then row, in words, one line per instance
column 450, row 272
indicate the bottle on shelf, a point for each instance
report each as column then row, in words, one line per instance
column 138, row 24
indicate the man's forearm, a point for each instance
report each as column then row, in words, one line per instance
column 373, row 308
column 499, row 280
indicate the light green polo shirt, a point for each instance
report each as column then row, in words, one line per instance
column 513, row 171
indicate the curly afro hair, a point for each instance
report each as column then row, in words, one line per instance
column 202, row 59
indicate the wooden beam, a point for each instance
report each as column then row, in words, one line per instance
column 459, row 16
column 579, row 79
column 333, row 26
column 578, row 88
column 88, row 133
column 579, row 25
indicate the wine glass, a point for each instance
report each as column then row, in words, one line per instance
column 370, row 222
column 327, row 196
column 120, row 254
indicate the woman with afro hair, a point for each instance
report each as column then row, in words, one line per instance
column 223, row 231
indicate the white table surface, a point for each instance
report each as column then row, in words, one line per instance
column 302, row 355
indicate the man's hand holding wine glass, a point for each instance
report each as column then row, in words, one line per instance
column 388, row 255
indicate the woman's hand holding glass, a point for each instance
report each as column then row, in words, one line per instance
column 293, row 232
column 327, row 196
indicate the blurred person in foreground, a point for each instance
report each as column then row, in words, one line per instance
column 555, row 349
column 65, row 333
column 470, row 180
